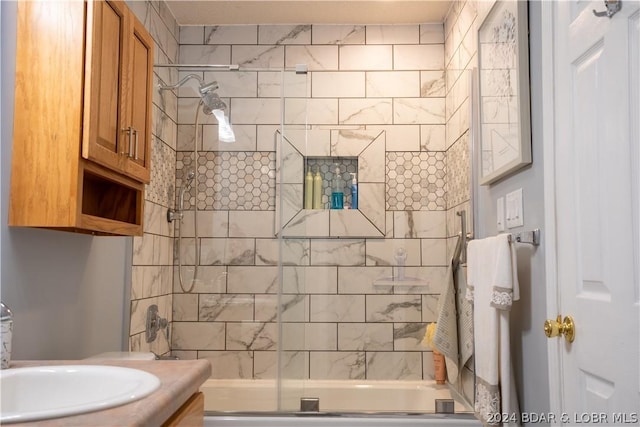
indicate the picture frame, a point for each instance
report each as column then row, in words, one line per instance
column 503, row 91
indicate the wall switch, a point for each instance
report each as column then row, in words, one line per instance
column 500, row 214
column 515, row 217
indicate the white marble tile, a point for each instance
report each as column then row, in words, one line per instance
column 388, row 84
column 371, row 204
column 338, row 84
column 234, row 83
column 231, row 34
column 289, row 203
column 255, row 111
column 428, row 369
column 191, row 34
column 309, row 280
column 293, row 308
column 251, row 224
column 309, row 336
column 251, row 336
column 421, row 224
column 431, row 33
column 394, row 366
column 434, row 252
column 394, row 308
column 146, row 281
column 365, row 336
column 284, row 34
column 333, row 252
column 187, row 109
column 337, row 365
column 337, row 308
column 419, row 111
column 164, row 128
column 366, row 57
column 308, row 223
column 263, row 56
column 295, row 85
column 185, row 308
column 294, row 364
column 359, row 280
column 351, row 223
column 383, row 252
column 221, row 251
column 209, row 279
column 294, row 252
column 365, row 111
column 418, row 57
column 205, row 54
column 435, row 278
column 314, row 57
column 265, row 137
column 143, row 249
column 338, row 34
column 229, row 364
column 198, row 336
column 393, row 34
column 409, row 336
column 210, row 224
column 432, row 138
column 353, row 142
column 430, row 308
column 314, row 111
column 253, row 280
column 432, row 83
column 227, row 307
column 401, row 137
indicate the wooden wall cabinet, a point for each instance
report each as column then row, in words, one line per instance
column 82, row 119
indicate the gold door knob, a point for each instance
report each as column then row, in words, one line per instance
column 554, row 328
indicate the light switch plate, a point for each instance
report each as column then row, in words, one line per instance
column 514, row 217
column 500, row 214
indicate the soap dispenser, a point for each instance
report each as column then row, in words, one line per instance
column 337, row 190
column 354, row 190
column 317, row 190
column 308, row 190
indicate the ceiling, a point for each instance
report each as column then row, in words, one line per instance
column 229, row 12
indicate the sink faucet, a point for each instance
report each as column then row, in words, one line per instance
column 6, row 329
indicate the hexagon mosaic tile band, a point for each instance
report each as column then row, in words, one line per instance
column 230, row 180
column 416, row 181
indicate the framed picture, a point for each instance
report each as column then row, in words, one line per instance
column 503, row 77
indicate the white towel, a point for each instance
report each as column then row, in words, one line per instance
column 493, row 286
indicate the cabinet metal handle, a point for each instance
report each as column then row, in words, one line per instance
column 130, row 131
column 135, row 150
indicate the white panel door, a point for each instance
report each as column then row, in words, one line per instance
column 596, row 139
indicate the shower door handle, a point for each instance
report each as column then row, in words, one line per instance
column 613, row 7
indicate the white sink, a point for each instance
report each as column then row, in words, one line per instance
column 37, row 393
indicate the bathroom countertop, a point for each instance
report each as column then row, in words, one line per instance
column 179, row 380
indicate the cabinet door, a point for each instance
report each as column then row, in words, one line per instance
column 103, row 136
column 137, row 102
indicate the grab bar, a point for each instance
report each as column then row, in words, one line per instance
column 463, row 238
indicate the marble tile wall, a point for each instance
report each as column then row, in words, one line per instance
column 152, row 262
column 336, row 323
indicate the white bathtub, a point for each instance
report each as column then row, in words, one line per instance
column 349, row 398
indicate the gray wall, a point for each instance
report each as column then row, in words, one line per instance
column 528, row 341
column 67, row 291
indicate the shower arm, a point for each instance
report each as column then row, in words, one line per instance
column 182, row 81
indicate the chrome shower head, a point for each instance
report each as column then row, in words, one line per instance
column 189, row 179
column 211, row 101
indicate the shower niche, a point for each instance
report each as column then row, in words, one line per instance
column 355, row 151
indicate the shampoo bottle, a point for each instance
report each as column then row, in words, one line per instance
column 337, row 191
column 354, row 190
column 317, row 190
column 308, row 190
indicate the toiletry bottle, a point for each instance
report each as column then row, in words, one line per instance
column 317, row 190
column 337, row 191
column 308, row 190
column 354, row 190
